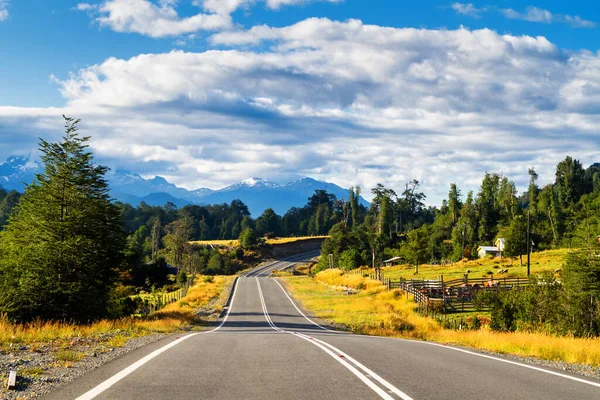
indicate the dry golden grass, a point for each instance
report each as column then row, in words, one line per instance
column 218, row 243
column 376, row 311
column 548, row 260
column 235, row 243
column 172, row 318
column 293, row 239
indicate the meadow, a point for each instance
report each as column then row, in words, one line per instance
column 543, row 261
column 376, row 311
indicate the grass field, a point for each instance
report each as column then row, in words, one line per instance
column 377, row 311
column 170, row 319
column 548, row 260
column 235, row 243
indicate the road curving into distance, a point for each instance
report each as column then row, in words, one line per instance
column 264, row 347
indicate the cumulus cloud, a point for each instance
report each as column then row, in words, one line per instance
column 3, row 10
column 341, row 101
column 159, row 18
column 152, row 19
column 467, row 9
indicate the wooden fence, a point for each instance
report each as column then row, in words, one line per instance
column 162, row 299
column 438, row 295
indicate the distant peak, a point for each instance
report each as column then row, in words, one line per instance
column 16, row 160
column 253, row 181
column 159, row 179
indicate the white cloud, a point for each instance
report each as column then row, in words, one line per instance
column 4, row 10
column 276, row 4
column 578, row 22
column 531, row 14
column 85, row 7
column 534, row 14
column 342, row 101
column 159, row 18
column 467, row 9
column 153, row 19
column 224, row 7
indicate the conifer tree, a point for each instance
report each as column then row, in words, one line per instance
column 61, row 248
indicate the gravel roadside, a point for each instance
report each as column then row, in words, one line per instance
column 45, row 367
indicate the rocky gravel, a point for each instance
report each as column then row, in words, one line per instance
column 577, row 369
column 42, row 368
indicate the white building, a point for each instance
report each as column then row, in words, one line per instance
column 495, row 251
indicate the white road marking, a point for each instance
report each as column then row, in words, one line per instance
column 300, row 311
column 573, row 378
column 339, row 356
column 94, row 392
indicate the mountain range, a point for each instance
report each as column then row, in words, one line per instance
column 258, row 194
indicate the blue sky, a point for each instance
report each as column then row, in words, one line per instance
column 342, row 91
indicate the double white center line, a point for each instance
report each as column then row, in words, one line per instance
column 368, row 377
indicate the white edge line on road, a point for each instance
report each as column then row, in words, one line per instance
column 573, row 378
column 300, row 311
column 94, row 392
column 335, row 356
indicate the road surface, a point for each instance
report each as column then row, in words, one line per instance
column 265, row 348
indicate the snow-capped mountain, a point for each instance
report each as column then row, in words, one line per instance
column 255, row 183
column 257, row 193
column 16, row 172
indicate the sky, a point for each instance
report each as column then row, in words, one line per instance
column 209, row 92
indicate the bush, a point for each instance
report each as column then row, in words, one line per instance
column 476, row 323
column 182, row 278
column 248, row 239
column 209, row 279
column 237, row 253
column 350, row 259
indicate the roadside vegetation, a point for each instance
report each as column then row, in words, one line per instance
column 374, row 310
column 183, row 314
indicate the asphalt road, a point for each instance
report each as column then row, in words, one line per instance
column 265, row 348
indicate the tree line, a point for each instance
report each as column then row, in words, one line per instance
column 559, row 214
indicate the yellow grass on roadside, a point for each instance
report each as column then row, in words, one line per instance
column 293, row 239
column 377, row 311
column 548, row 260
column 235, row 243
column 172, row 318
column 217, row 243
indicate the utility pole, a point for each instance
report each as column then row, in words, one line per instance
column 528, row 245
column 462, row 252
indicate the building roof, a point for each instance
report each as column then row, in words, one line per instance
column 488, row 248
column 393, row 259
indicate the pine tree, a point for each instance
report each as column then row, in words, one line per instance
column 454, row 203
column 62, row 246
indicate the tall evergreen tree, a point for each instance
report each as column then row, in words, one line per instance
column 454, row 203
column 63, row 244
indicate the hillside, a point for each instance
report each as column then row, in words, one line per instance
column 544, row 261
